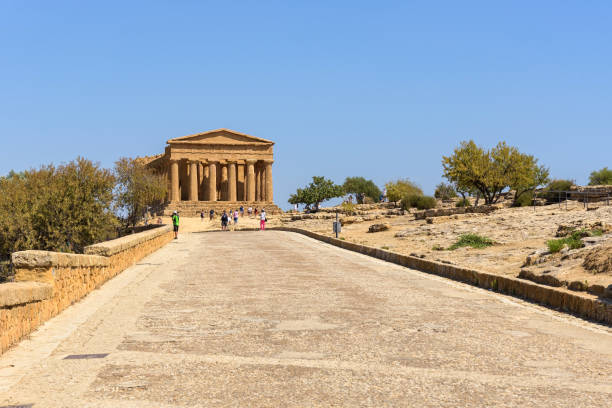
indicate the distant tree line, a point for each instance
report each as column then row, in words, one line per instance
column 471, row 170
column 67, row 207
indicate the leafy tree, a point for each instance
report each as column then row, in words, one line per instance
column 316, row 192
column 361, row 188
column 601, row 177
column 137, row 189
column 396, row 190
column 62, row 208
column 528, row 177
column 490, row 172
column 445, row 191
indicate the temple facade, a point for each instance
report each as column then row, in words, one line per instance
column 217, row 166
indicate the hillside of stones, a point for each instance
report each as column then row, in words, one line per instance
column 520, row 237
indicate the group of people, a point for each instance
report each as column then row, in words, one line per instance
column 228, row 215
column 226, row 218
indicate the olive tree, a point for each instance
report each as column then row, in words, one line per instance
column 319, row 190
column 361, row 188
column 490, row 172
column 137, row 189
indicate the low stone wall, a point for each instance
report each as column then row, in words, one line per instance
column 439, row 212
column 584, row 305
column 48, row 282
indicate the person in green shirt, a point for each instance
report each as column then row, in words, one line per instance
column 175, row 223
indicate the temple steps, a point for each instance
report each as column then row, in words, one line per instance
column 193, row 208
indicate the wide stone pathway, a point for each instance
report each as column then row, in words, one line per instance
column 276, row 319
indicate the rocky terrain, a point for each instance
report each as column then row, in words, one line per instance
column 519, row 238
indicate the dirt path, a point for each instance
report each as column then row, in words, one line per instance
column 277, row 319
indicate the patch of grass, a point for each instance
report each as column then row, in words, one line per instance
column 437, row 247
column 384, row 247
column 573, row 241
column 596, row 232
column 472, row 240
column 555, row 245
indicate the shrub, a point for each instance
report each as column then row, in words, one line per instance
column 472, row 240
column 426, row 202
column 56, row 208
column 445, row 191
column 347, row 207
column 524, row 200
column 418, row 201
column 397, row 190
column 601, row 177
column 464, row 202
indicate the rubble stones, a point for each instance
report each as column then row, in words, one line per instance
column 379, row 227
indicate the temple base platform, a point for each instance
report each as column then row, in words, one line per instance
column 193, row 208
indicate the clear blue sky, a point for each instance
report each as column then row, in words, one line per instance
column 377, row 89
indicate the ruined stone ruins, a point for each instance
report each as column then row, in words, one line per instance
column 219, row 169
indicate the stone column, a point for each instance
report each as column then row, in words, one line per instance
column 260, row 179
column 212, row 181
column 250, row 180
column 269, row 187
column 231, row 180
column 205, row 193
column 193, row 180
column 223, row 196
column 257, row 183
column 174, row 181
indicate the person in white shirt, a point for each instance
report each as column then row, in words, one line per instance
column 262, row 219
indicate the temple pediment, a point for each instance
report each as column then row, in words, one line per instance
column 220, row 137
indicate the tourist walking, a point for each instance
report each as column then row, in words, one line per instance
column 241, row 211
column 262, row 220
column 175, row 223
column 212, row 214
column 236, row 217
column 250, row 211
column 224, row 220
column 202, row 215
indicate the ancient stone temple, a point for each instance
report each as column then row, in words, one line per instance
column 219, row 169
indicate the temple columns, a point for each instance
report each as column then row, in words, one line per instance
column 268, row 177
column 212, row 181
column 174, row 181
column 193, row 180
column 250, row 180
column 231, row 180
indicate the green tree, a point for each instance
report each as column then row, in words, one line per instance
column 137, row 189
column 361, row 188
column 63, row 208
column 319, row 190
column 445, row 191
column 396, row 190
column 470, row 168
column 601, row 177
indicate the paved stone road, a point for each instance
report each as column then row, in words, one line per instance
column 276, row 319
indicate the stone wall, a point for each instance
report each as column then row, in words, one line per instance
column 48, row 282
column 582, row 304
column 440, row 212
